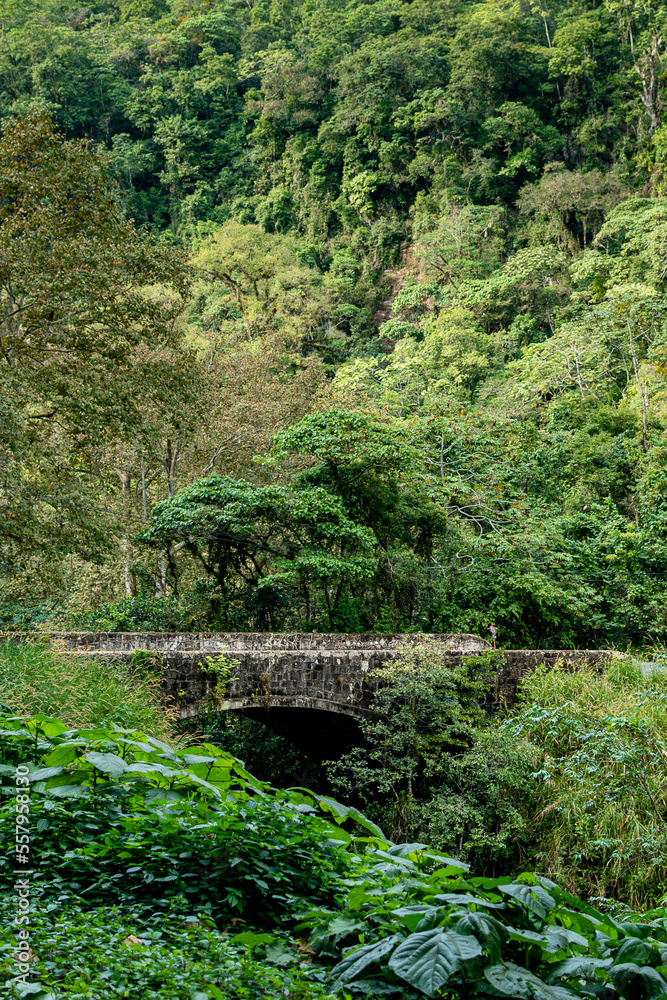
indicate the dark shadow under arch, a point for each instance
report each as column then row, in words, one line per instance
column 320, row 732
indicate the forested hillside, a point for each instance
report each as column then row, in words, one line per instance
column 335, row 315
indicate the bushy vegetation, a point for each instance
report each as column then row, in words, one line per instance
column 434, row 767
column 570, row 783
column 338, row 316
column 598, row 797
column 111, row 951
column 178, row 841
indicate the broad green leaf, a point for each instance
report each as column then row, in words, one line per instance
column 581, row 921
column 520, row 984
column 46, row 725
column 466, row 898
column 534, row 897
column 162, row 795
column 631, row 949
column 332, row 832
column 344, row 925
column 144, row 747
column 401, row 850
column 68, row 791
column 43, row 773
column 34, row 990
column 428, row 959
column 64, row 754
column 636, row 929
column 152, row 769
column 252, row 940
column 485, row 928
column 364, row 894
column 356, row 961
column 348, row 812
column 411, row 916
column 633, row 980
column 159, row 744
column 279, row 954
column 110, row 763
column 528, row 937
column 184, row 777
column 581, row 966
column 561, row 937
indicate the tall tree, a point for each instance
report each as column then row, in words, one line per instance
column 83, row 329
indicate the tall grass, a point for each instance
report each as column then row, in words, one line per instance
column 80, row 690
column 619, row 688
column 599, row 809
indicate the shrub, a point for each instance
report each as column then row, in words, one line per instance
column 433, row 768
column 161, row 834
column 146, row 613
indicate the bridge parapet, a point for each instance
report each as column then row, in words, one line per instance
column 312, row 687
column 223, row 642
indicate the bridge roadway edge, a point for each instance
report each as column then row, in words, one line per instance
column 313, row 688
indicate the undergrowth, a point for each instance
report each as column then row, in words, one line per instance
column 163, row 872
column 37, row 679
column 599, row 794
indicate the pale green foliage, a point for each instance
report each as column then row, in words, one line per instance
column 268, row 288
column 600, row 791
column 631, row 246
column 465, row 243
column 563, row 198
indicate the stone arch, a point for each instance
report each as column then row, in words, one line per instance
column 322, row 728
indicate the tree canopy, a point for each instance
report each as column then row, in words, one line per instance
column 380, row 286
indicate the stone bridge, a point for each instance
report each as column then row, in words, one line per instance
column 311, row 687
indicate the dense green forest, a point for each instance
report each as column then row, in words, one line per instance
column 335, row 316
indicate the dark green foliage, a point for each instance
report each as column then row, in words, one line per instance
column 14, row 618
column 330, row 119
column 190, row 820
column 454, row 212
column 109, row 952
column 190, row 611
column 399, row 920
column 267, row 540
column 310, row 553
column 433, row 768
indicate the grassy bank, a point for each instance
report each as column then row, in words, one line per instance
column 599, row 795
column 36, row 679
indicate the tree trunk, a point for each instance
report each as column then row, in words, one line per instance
column 125, row 476
column 650, row 97
column 643, row 390
column 170, row 464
